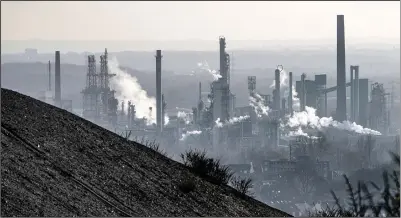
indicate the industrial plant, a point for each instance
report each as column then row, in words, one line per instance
column 271, row 122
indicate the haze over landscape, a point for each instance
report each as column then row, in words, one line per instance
column 292, row 143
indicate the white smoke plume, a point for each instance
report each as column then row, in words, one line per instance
column 205, row 67
column 218, row 123
column 237, row 119
column 231, row 121
column 128, row 88
column 284, row 84
column 308, row 118
column 166, row 119
column 184, row 116
column 283, row 80
column 258, row 105
column 188, row 133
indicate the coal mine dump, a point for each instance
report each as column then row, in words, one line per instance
column 54, row 163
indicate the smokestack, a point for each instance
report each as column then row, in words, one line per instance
column 50, row 76
column 283, row 105
column 57, row 76
column 223, row 58
column 277, row 88
column 290, row 95
column 200, row 91
column 341, row 91
column 303, row 94
column 159, row 103
column 356, row 94
column 163, row 109
column 352, row 96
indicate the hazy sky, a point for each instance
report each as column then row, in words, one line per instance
column 197, row 20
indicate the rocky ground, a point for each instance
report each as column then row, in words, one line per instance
column 54, row 163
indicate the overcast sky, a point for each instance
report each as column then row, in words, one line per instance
column 197, row 20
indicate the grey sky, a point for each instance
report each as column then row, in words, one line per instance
column 375, row 21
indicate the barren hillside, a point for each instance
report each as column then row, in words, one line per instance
column 54, row 163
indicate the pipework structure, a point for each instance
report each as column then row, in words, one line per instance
column 99, row 102
column 341, row 111
column 159, row 104
column 378, row 114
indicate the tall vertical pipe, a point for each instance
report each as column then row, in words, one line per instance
column 159, row 91
column 57, row 85
column 356, row 94
column 223, row 58
column 303, row 92
column 50, row 76
column 341, row 90
column 352, row 96
column 277, row 88
column 290, row 94
column 200, row 92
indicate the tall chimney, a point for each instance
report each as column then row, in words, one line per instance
column 200, row 91
column 50, row 76
column 352, row 95
column 223, row 58
column 290, row 95
column 356, row 94
column 341, row 91
column 303, row 92
column 57, row 85
column 159, row 104
column 277, row 88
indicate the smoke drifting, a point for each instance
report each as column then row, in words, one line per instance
column 258, row 104
column 128, row 89
column 309, row 119
column 205, row 67
column 284, row 80
column 188, row 133
column 231, row 121
column 166, row 119
column 184, row 116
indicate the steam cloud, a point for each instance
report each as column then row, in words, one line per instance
column 188, row 133
column 205, row 67
column 308, row 118
column 128, row 89
column 258, row 104
column 284, row 83
column 231, row 121
column 184, row 116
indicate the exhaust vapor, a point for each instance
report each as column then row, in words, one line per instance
column 184, row 116
column 128, row 88
column 188, row 133
column 284, row 80
column 258, row 104
column 205, row 67
column 231, row 121
column 308, row 118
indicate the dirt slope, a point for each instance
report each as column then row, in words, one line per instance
column 54, row 163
